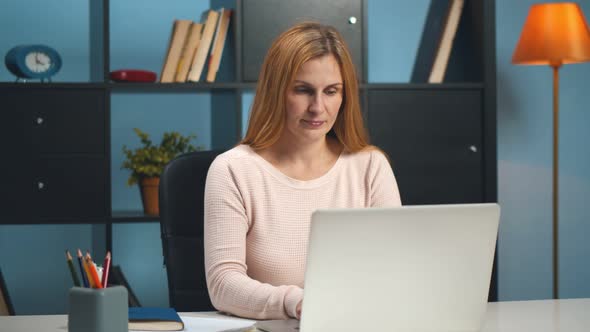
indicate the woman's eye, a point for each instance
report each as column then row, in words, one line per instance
column 303, row 90
column 331, row 92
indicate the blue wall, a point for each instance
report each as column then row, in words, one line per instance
column 34, row 266
column 525, row 168
column 46, row 22
column 395, row 29
column 139, row 40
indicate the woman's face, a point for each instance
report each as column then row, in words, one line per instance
column 313, row 100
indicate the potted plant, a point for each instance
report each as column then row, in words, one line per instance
column 147, row 163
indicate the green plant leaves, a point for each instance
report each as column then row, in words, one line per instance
column 149, row 159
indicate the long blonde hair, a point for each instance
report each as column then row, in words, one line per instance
column 297, row 45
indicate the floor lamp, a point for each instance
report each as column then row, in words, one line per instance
column 554, row 34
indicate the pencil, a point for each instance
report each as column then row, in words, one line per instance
column 92, row 271
column 87, row 271
column 105, row 269
column 82, row 272
column 72, row 271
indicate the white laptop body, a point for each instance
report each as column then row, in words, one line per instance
column 414, row 268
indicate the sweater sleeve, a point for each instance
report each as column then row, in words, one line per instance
column 226, row 225
column 384, row 190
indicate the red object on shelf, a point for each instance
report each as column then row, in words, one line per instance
column 133, row 75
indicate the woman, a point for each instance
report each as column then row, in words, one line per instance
column 305, row 148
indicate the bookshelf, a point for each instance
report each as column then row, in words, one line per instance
column 438, row 158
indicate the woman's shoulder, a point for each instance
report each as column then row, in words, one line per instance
column 239, row 155
column 238, row 152
column 368, row 155
column 368, row 162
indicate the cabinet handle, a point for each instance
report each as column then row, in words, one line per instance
column 39, row 120
column 473, row 148
column 40, row 185
column 352, row 20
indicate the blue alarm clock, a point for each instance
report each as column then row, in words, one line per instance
column 33, row 62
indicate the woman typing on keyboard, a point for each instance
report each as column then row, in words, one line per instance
column 306, row 148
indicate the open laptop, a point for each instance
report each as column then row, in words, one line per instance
column 413, row 268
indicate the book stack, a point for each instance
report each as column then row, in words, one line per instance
column 195, row 48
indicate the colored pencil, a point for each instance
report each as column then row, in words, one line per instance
column 72, row 270
column 105, row 269
column 82, row 271
column 87, row 271
column 92, row 271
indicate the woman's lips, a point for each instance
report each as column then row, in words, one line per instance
column 314, row 123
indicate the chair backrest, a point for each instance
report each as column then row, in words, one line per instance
column 182, row 189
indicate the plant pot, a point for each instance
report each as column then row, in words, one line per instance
column 149, row 195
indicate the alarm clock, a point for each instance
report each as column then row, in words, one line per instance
column 33, row 61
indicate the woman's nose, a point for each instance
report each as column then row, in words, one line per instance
column 316, row 103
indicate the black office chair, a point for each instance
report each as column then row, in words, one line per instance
column 182, row 188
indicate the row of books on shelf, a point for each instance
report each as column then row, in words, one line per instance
column 194, row 45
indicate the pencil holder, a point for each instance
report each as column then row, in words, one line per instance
column 98, row 310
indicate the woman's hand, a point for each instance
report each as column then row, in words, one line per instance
column 298, row 310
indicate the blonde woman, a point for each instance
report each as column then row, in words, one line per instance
column 305, row 148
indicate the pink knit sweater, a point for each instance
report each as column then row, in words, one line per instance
column 257, row 221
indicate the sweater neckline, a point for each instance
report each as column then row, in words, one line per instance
column 292, row 182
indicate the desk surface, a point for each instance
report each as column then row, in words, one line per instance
column 571, row 315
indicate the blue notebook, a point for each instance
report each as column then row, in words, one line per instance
column 154, row 319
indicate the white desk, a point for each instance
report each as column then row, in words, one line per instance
column 58, row 323
column 571, row 315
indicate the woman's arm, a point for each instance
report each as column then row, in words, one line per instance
column 226, row 225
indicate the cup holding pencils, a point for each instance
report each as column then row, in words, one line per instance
column 92, row 306
column 92, row 276
column 98, row 309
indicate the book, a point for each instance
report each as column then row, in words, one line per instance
column 218, row 44
column 178, row 36
column 443, row 53
column 210, row 18
column 434, row 24
column 154, row 319
column 188, row 51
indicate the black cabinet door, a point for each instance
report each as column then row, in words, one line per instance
column 70, row 189
column 16, row 160
column 264, row 20
column 433, row 139
column 56, row 168
column 67, row 121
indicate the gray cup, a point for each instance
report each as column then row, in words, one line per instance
column 98, row 310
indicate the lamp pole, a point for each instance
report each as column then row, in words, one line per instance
column 556, row 67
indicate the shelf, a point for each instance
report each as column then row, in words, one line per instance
column 39, row 85
column 179, row 87
column 421, row 86
column 190, row 87
column 12, row 220
column 132, row 217
column 143, row 87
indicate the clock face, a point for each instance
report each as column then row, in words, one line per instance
column 38, row 62
column 33, row 61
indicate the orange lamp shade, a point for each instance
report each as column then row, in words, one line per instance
column 553, row 34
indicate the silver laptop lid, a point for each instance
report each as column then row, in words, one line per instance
column 414, row 268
